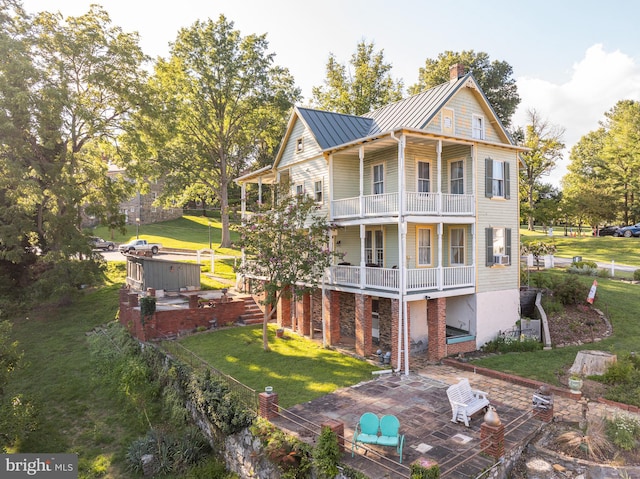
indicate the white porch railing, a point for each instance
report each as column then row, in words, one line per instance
column 416, row 203
column 435, row 279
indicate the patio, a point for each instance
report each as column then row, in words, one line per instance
column 420, row 402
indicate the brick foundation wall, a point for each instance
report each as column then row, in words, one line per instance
column 363, row 325
column 437, row 328
column 462, row 347
column 176, row 321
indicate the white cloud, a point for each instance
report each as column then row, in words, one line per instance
column 598, row 81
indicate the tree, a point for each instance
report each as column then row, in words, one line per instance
column 588, row 195
column 287, row 249
column 66, row 85
column 495, row 79
column 367, row 86
column 219, row 100
column 621, row 154
column 545, row 143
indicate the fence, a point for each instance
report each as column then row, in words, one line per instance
column 247, row 396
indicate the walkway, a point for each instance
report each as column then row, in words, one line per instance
column 420, row 402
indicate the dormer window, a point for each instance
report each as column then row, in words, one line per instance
column 477, row 127
column 299, row 145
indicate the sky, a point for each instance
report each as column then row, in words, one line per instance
column 572, row 60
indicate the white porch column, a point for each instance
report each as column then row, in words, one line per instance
column 362, row 256
column 401, row 176
column 330, row 187
column 361, row 167
column 440, row 270
column 260, row 190
column 439, row 175
column 243, row 200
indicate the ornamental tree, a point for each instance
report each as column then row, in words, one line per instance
column 287, row 250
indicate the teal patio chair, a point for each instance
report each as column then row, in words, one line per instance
column 366, row 431
column 390, row 433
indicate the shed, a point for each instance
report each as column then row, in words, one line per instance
column 144, row 273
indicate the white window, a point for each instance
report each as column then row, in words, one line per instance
column 457, row 245
column 299, row 145
column 477, row 127
column 498, row 246
column 424, row 247
column 378, row 179
column 457, row 177
column 424, row 183
column 496, row 179
column 300, row 189
column 317, row 191
column 374, row 247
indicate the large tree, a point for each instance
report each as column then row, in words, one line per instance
column 495, row 79
column 66, row 85
column 220, row 105
column 365, row 86
column 545, row 142
column 287, row 249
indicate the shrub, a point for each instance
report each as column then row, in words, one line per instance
column 503, row 345
column 326, row 454
column 636, row 275
column 210, row 468
column 426, row 470
column 623, row 431
column 569, row 290
column 584, row 270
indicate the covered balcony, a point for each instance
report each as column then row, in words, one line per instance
column 436, row 204
column 388, row 279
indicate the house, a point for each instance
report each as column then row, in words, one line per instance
column 423, row 194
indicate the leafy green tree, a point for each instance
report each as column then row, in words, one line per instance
column 621, row 154
column 66, row 85
column 545, row 143
column 218, row 103
column 366, row 86
column 287, row 249
column 495, row 79
column 588, row 195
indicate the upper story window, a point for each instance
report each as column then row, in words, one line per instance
column 498, row 246
column 317, row 191
column 477, row 127
column 424, row 246
column 497, row 179
column 424, row 180
column 378, row 179
column 299, row 145
column 300, row 189
column 457, row 177
column 447, row 121
column 457, row 245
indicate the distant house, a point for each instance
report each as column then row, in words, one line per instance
column 424, row 196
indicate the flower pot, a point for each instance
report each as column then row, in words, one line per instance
column 575, row 385
column 279, row 333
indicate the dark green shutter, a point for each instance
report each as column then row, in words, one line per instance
column 507, row 243
column 488, row 177
column 507, row 185
column 489, row 243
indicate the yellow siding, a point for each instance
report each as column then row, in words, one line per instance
column 311, row 148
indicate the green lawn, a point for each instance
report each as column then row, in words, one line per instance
column 297, row 368
column 603, row 249
column 188, row 232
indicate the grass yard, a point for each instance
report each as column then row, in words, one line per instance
column 188, row 232
column 298, row 369
column 74, row 413
column 603, row 249
column 617, row 299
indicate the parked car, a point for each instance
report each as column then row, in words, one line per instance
column 99, row 243
column 629, row 231
column 139, row 245
column 610, row 230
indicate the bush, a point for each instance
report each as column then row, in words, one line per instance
column 326, row 454
column 636, row 275
column 503, row 345
column 570, row 290
column 623, row 431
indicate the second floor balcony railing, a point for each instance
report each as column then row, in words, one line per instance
column 415, row 204
column 388, row 279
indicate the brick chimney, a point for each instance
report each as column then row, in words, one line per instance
column 456, row 71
